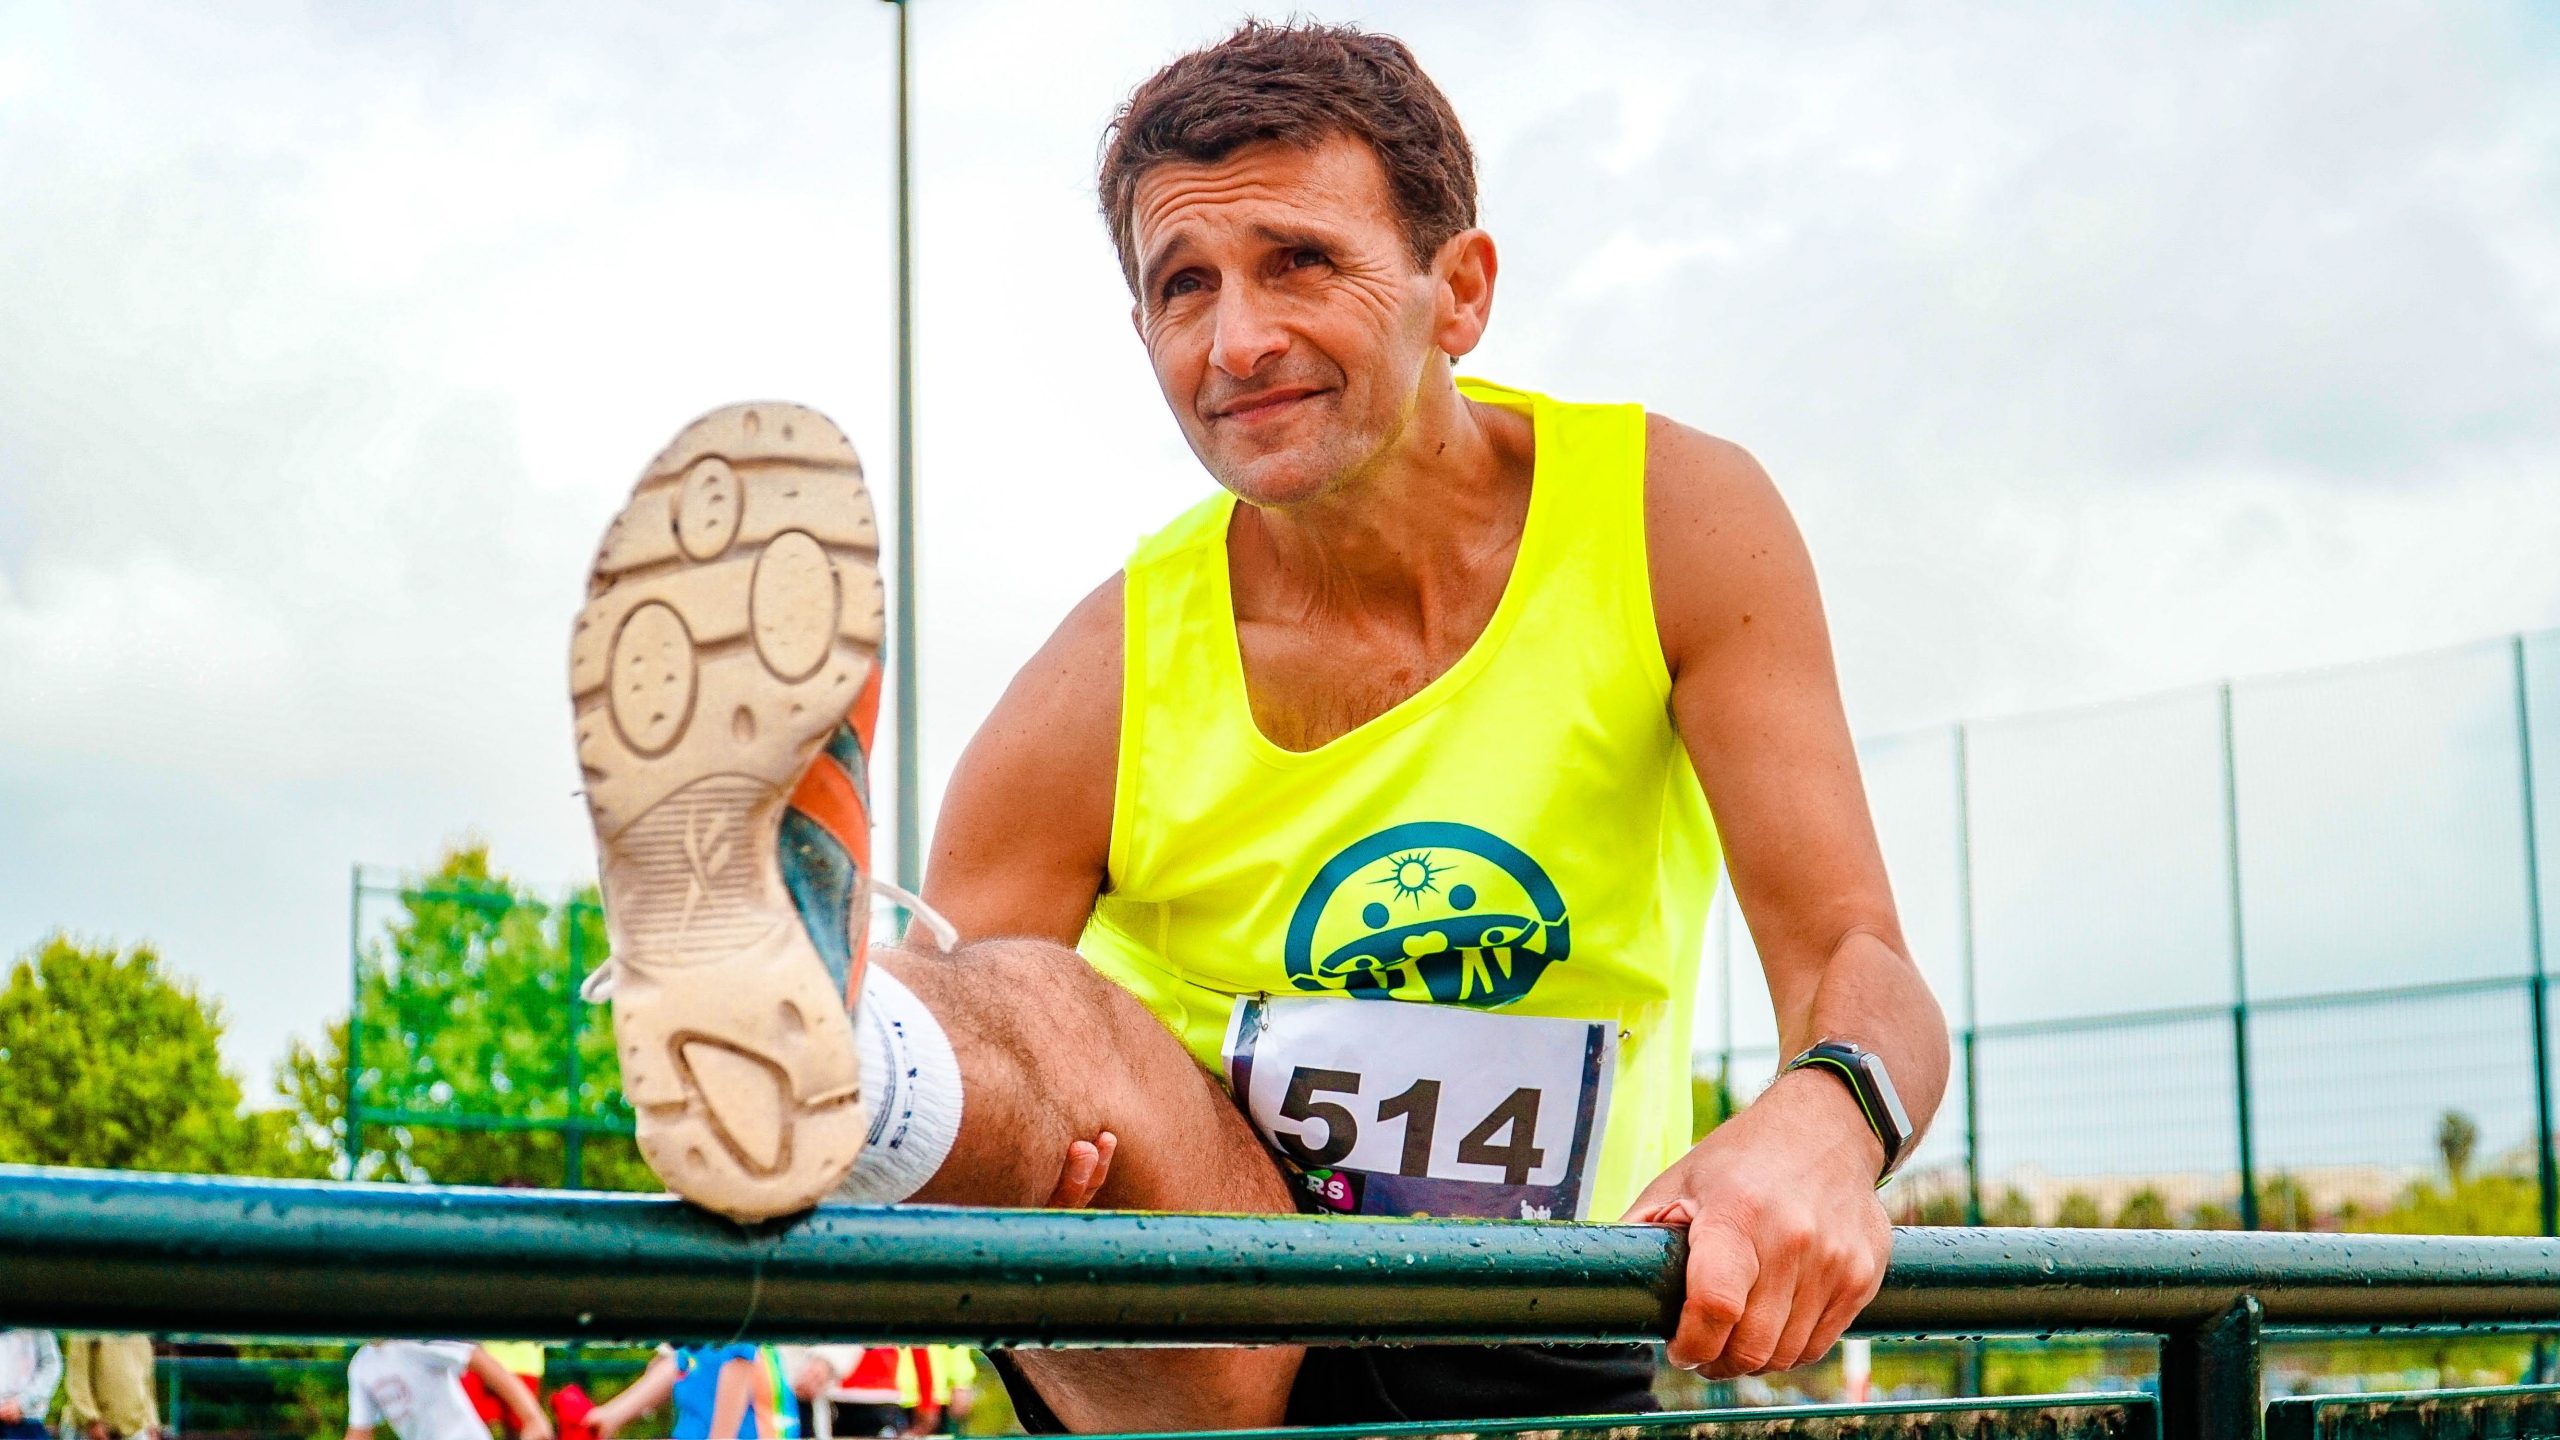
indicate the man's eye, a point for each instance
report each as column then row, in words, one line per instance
column 1181, row 285
column 1306, row 257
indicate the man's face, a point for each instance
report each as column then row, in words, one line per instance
column 1283, row 312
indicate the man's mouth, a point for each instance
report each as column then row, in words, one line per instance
column 1267, row 404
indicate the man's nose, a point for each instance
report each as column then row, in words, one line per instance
column 1247, row 334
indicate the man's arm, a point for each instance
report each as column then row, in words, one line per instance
column 1024, row 838
column 637, row 1398
column 1787, row 1241
column 513, row 1393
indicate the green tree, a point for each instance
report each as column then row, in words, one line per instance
column 108, row 1061
column 2078, row 1211
column 2144, row 1209
column 2213, row 1215
column 2012, row 1208
column 2456, row 1137
column 1710, row 1105
column 468, row 1017
column 2284, row 1205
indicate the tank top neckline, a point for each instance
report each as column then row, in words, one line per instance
column 1441, row 688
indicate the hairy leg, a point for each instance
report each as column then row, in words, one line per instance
column 1028, row 1021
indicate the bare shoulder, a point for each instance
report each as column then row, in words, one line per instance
column 1723, row 551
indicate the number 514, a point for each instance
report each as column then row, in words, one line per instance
column 1504, row 1139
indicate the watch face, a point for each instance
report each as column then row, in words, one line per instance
column 1873, row 1067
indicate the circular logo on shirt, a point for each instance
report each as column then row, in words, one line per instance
column 1431, row 910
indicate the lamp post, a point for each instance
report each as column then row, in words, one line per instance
column 910, row 847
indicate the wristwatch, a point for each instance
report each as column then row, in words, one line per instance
column 1863, row 1071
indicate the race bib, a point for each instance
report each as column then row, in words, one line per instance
column 1393, row 1108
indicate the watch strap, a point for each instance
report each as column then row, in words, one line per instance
column 1879, row 1108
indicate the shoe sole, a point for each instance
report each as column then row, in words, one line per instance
column 734, row 613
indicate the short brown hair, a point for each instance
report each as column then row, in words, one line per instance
column 1300, row 82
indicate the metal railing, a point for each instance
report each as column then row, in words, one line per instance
column 101, row 1250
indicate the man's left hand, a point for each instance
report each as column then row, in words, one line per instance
column 1787, row 1241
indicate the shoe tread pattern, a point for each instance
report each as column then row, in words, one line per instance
column 733, row 614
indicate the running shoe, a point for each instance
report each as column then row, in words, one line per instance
column 725, row 672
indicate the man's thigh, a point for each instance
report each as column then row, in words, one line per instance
column 1051, row 1053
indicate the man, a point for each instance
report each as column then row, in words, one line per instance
column 1426, row 709
column 415, row 1387
column 107, row 1388
column 30, row 1368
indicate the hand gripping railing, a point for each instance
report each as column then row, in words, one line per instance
column 100, row 1250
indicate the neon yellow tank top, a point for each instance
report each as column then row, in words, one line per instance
column 1539, row 778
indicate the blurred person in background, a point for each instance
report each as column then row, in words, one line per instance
column 939, row 1386
column 851, row 1390
column 520, row 1358
column 30, row 1368
column 720, row 1392
column 415, row 1386
column 107, row 1388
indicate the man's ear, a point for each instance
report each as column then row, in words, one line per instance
column 1464, row 271
column 1138, row 319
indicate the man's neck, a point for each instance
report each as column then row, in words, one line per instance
column 1415, row 538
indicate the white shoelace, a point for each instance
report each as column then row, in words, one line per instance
column 597, row 988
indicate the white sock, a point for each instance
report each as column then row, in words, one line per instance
column 911, row 1080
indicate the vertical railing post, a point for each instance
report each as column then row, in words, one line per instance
column 1972, row 1017
column 2211, row 1376
column 2241, row 1096
column 355, row 1017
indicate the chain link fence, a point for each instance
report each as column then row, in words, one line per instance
column 2266, row 954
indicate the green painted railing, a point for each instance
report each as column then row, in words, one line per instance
column 172, row 1254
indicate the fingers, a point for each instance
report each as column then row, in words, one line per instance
column 1777, row 1295
column 1723, row 1267
column 1753, row 1342
column 1088, row 1166
column 1860, row 1276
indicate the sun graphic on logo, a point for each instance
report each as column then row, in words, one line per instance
column 1413, row 875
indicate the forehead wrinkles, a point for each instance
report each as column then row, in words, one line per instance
column 1339, row 182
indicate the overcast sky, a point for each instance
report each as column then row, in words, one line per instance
column 2099, row 348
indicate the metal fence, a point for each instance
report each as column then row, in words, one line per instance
column 2263, row 954
column 190, row 1254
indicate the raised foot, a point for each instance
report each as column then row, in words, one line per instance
column 733, row 615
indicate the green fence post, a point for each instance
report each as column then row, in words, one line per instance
column 1968, row 1352
column 2239, row 971
column 355, row 1016
column 2210, row 1376
column 2548, row 1172
column 1972, row 1019
column 2546, row 1169
column 573, row 1135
